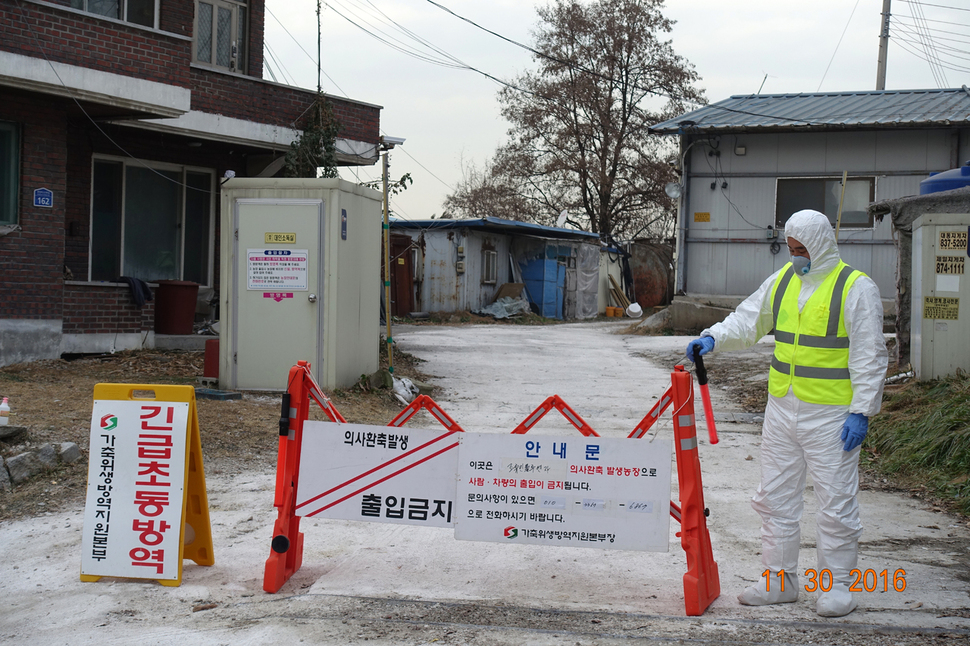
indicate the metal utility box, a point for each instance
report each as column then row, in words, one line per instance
column 300, row 280
column 941, row 294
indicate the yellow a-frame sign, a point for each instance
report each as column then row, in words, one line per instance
column 146, row 507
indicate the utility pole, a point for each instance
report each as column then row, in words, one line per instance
column 387, row 266
column 883, row 47
column 319, row 56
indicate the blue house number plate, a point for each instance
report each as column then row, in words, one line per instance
column 44, row 197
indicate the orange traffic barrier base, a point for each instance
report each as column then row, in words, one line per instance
column 701, row 582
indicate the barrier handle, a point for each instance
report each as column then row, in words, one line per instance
column 705, row 397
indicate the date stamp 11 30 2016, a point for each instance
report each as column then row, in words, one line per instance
column 868, row 580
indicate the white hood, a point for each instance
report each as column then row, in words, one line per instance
column 814, row 230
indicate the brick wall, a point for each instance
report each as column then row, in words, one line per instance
column 177, row 16
column 241, row 97
column 31, row 260
column 104, row 309
column 257, row 18
column 85, row 141
column 86, row 40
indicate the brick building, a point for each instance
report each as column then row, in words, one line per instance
column 118, row 120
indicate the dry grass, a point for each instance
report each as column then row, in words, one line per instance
column 53, row 398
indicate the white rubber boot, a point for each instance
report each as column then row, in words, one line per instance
column 837, row 602
column 770, row 590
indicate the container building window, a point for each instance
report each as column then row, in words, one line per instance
column 489, row 267
column 823, row 194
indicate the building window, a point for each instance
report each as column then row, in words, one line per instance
column 823, row 194
column 150, row 221
column 220, row 34
column 139, row 12
column 9, row 172
column 489, row 267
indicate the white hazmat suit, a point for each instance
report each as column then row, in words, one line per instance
column 800, row 437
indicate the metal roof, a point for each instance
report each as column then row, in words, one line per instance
column 826, row 111
column 496, row 225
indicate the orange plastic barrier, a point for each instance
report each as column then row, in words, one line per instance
column 701, row 582
column 286, row 548
column 555, row 402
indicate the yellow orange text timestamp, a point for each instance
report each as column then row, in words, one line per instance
column 862, row 580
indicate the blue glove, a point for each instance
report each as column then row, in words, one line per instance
column 854, row 430
column 700, row 346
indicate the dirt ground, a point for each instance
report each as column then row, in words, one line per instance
column 53, row 398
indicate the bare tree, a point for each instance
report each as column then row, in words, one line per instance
column 579, row 137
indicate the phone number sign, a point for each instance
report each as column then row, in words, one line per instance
column 607, row 493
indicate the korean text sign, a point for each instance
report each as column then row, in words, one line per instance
column 277, row 269
column 607, row 493
column 377, row 473
column 136, row 481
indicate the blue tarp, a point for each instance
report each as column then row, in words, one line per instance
column 545, row 281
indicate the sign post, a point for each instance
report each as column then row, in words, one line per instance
column 146, row 507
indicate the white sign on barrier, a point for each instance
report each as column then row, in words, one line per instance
column 377, row 473
column 608, row 493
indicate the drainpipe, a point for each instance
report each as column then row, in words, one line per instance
column 680, row 262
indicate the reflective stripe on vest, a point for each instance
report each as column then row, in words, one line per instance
column 812, row 346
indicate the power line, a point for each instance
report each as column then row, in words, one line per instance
column 313, row 60
column 396, row 44
column 900, row 17
column 910, row 49
column 566, row 63
column 945, row 48
column 426, row 169
column 847, row 23
column 929, row 46
column 939, row 6
column 285, row 73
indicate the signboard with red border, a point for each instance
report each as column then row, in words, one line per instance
column 144, row 464
column 377, row 473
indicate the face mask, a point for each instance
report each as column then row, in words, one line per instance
column 801, row 264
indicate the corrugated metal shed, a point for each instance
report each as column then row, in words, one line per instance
column 497, row 225
column 826, row 111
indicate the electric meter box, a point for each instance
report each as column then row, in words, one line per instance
column 300, row 280
column 940, row 324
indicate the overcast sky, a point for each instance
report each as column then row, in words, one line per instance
column 450, row 117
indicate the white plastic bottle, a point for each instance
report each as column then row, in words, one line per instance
column 4, row 412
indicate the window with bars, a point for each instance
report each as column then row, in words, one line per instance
column 220, row 34
column 139, row 12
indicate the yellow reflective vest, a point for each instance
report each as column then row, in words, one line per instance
column 812, row 347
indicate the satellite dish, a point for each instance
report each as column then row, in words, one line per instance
column 561, row 220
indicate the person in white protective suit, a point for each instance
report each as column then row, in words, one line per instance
column 826, row 381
